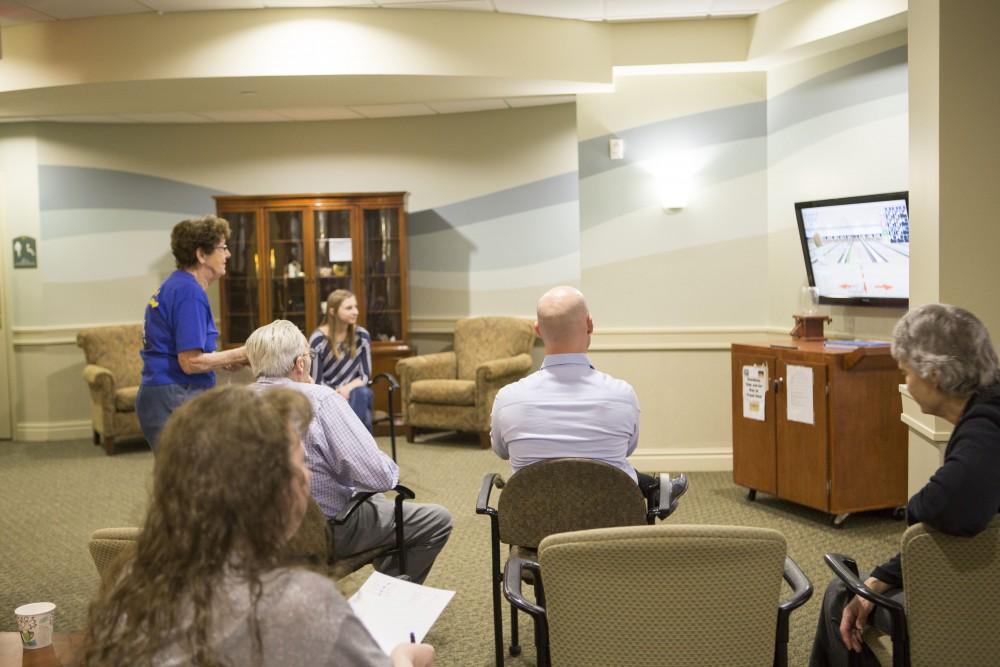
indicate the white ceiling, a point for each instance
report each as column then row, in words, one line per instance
column 263, row 100
column 13, row 12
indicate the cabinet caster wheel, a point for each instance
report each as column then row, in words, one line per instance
column 838, row 521
column 899, row 513
column 752, row 495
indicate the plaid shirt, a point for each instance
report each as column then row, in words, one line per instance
column 340, row 452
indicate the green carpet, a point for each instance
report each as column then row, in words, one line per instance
column 55, row 494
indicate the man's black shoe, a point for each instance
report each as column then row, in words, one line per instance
column 678, row 487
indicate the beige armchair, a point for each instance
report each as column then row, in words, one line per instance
column 113, row 372
column 952, row 584
column 717, row 596
column 454, row 391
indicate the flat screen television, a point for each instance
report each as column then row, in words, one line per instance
column 857, row 249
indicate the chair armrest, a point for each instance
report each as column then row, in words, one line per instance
column 389, row 378
column 402, row 493
column 847, row 571
column 441, row 365
column 101, row 384
column 501, row 369
column 802, row 588
column 483, row 502
column 491, row 377
column 99, row 379
column 513, row 575
column 801, row 591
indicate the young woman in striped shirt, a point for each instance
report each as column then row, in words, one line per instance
column 343, row 354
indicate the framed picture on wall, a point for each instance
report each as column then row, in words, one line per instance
column 25, row 254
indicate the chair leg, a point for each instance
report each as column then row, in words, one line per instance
column 497, row 625
column 109, row 445
column 97, row 438
column 484, row 440
column 515, row 645
column 410, row 433
column 542, row 643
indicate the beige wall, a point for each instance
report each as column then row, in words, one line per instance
column 669, row 290
column 955, row 160
column 117, row 246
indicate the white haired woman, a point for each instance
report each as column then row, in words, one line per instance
column 952, row 372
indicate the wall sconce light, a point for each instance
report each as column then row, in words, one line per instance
column 673, row 179
column 674, row 192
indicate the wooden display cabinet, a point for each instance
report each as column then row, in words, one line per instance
column 290, row 251
column 853, row 456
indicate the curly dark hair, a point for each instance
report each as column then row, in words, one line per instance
column 222, row 492
column 188, row 236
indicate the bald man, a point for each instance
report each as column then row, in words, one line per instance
column 568, row 408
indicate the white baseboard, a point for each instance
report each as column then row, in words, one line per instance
column 690, row 459
column 75, row 429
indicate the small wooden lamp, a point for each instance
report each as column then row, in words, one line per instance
column 809, row 327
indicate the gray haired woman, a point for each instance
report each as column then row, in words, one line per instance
column 952, row 372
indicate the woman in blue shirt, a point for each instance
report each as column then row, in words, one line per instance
column 343, row 352
column 179, row 333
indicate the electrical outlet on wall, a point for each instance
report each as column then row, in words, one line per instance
column 616, row 148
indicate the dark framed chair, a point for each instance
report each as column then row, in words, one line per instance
column 556, row 496
column 312, row 544
column 648, row 596
column 952, row 585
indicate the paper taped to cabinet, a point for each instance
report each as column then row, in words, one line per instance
column 754, row 391
column 339, row 249
column 800, row 393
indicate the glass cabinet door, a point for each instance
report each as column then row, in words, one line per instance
column 383, row 282
column 334, row 254
column 240, row 291
column 286, row 247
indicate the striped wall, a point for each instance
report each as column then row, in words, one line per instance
column 646, row 266
column 837, row 127
column 668, row 288
column 495, row 253
column 671, row 289
column 485, row 188
column 503, row 205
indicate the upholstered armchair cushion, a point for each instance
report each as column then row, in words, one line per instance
column 125, row 399
column 113, row 373
column 439, row 366
column 444, row 392
column 456, row 390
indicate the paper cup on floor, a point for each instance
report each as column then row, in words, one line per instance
column 34, row 622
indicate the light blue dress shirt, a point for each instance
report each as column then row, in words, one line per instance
column 566, row 409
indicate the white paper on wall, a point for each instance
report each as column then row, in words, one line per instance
column 340, row 249
column 754, row 391
column 799, row 380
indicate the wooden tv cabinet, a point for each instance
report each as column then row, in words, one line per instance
column 852, row 457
